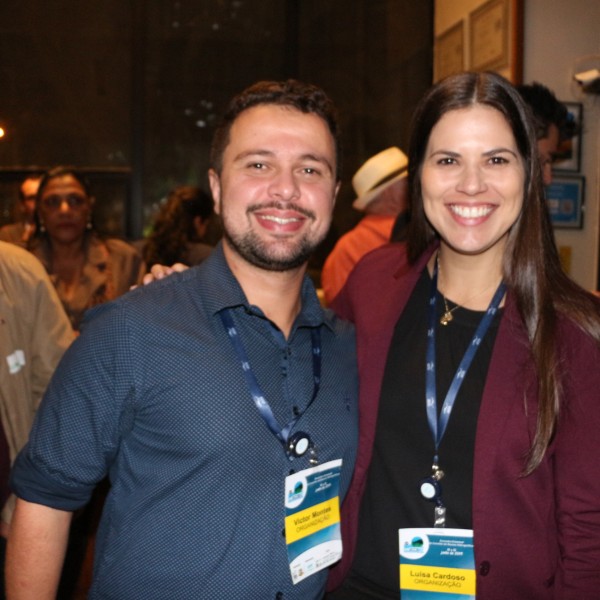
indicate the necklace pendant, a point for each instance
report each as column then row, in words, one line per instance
column 446, row 318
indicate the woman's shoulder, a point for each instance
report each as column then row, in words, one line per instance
column 383, row 260
column 117, row 246
column 18, row 264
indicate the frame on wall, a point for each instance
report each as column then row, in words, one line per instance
column 489, row 36
column 496, row 38
column 568, row 156
column 565, row 197
column 449, row 50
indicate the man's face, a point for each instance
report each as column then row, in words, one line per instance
column 29, row 189
column 277, row 186
column 547, row 147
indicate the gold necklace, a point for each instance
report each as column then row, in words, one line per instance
column 447, row 316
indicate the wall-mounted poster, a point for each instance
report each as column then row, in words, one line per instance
column 565, row 197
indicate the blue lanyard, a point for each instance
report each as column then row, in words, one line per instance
column 438, row 427
column 263, row 406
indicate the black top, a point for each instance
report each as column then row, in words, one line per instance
column 404, row 448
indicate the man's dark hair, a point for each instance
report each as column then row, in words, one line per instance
column 174, row 228
column 547, row 110
column 306, row 98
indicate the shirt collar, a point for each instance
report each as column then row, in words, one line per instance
column 220, row 289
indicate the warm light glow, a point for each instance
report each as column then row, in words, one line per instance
column 1, row 132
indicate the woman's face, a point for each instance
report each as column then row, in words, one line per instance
column 64, row 209
column 472, row 180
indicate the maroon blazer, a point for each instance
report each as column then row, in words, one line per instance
column 536, row 537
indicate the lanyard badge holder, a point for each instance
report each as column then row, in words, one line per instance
column 430, row 486
column 312, row 523
column 298, row 443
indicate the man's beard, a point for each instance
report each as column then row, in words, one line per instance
column 258, row 253
column 273, row 256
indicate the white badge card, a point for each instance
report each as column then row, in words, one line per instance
column 437, row 564
column 312, row 519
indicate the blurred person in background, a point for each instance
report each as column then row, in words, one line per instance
column 554, row 125
column 380, row 185
column 179, row 228
column 34, row 333
column 20, row 231
column 85, row 268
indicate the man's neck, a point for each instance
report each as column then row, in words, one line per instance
column 276, row 293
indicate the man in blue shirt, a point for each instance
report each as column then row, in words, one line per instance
column 218, row 401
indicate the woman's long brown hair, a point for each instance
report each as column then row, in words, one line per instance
column 531, row 266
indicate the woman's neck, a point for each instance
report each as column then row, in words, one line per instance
column 467, row 280
column 67, row 261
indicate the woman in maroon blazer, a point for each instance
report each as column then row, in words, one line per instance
column 480, row 367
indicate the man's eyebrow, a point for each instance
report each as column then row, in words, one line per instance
column 261, row 152
column 319, row 159
column 253, row 152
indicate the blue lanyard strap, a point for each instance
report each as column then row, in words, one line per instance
column 263, row 406
column 438, row 428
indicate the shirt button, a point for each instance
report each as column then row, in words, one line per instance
column 484, row 568
column 279, row 596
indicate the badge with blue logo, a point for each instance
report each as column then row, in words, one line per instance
column 312, row 519
column 437, row 564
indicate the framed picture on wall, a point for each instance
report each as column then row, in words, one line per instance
column 568, row 156
column 489, row 36
column 449, row 52
column 495, row 36
column 565, row 197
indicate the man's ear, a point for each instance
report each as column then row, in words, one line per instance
column 214, row 181
column 335, row 193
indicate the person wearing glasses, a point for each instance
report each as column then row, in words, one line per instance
column 85, row 268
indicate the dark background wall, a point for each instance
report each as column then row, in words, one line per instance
column 131, row 90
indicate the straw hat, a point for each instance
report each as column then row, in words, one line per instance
column 379, row 172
